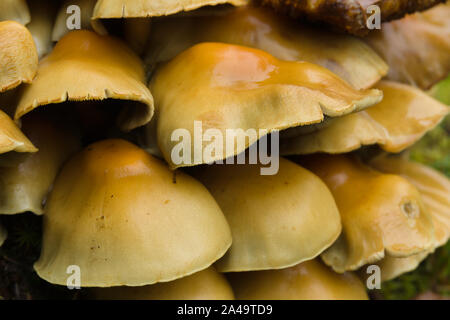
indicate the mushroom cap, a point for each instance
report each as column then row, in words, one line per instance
column 3, row 235
column 152, row 8
column 417, row 47
column 309, row 280
column 25, row 183
column 346, row 56
column 18, row 55
column 15, row 10
column 204, row 285
column 433, row 186
column 11, row 138
column 396, row 123
column 276, row 221
column 60, row 26
column 381, row 213
column 85, row 66
column 126, row 220
column 235, row 88
column 392, row 267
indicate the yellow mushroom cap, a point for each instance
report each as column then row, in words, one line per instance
column 152, row 8
column 348, row 57
column 417, row 47
column 433, row 186
column 15, row 10
column 229, row 87
column 85, row 66
column 309, row 280
column 392, row 267
column 11, row 138
column 18, row 55
column 276, row 221
column 403, row 116
column 381, row 213
column 204, row 285
column 125, row 219
column 25, row 182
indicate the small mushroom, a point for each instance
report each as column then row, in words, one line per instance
column 309, row 280
column 382, row 214
column 124, row 219
column 348, row 57
column 417, row 47
column 85, row 66
column 106, row 9
column 26, row 181
column 234, row 88
column 15, row 10
column 11, row 138
column 276, row 221
column 18, row 55
column 204, row 285
column 392, row 267
column 394, row 124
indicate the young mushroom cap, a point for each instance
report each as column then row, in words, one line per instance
column 382, row 214
column 126, row 220
column 396, row 123
column 433, row 186
column 18, row 55
column 26, row 181
column 152, row 8
column 11, row 138
column 392, row 267
column 309, row 280
column 85, row 66
column 417, row 47
column 276, row 221
column 15, row 10
column 204, row 285
column 235, row 88
column 348, row 57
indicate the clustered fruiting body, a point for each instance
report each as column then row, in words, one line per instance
column 87, row 141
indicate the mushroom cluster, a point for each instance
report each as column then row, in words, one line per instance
column 142, row 133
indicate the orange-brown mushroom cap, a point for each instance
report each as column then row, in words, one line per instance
column 402, row 118
column 382, row 214
column 309, row 280
column 417, row 47
column 276, row 221
column 18, row 55
column 126, row 220
column 348, row 57
column 207, row 284
column 235, row 88
column 85, row 66
column 11, row 138
column 25, row 181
